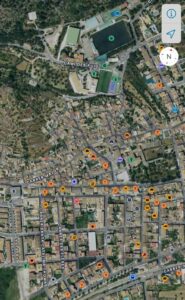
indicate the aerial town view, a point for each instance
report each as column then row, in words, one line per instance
column 92, row 150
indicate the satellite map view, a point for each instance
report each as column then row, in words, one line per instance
column 92, row 150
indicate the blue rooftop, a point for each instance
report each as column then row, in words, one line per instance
column 150, row 80
column 116, row 13
column 91, row 23
column 112, row 87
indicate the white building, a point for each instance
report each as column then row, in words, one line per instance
column 91, row 84
column 32, row 16
column 92, row 241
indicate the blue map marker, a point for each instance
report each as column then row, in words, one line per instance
column 74, row 181
column 161, row 66
column 120, row 159
column 132, row 276
column 175, row 109
column 171, row 33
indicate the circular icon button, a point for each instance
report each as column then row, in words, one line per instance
column 171, row 13
column 169, row 56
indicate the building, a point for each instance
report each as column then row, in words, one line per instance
column 77, row 84
column 92, row 241
column 112, row 38
column 91, row 23
column 91, row 84
column 72, row 36
column 1, row 244
column 15, row 191
column 32, row 16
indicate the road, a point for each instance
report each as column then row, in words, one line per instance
column 125, row 283
column 121, row 283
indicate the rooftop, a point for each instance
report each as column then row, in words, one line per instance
column 92, row 241
column 91, row 23
column 32, row 16
column 112, row 38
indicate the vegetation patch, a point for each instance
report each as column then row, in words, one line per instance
column 9, row 285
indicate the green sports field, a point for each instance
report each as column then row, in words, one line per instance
column 104, row 80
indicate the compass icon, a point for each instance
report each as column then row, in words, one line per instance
column 169, row 56
column 171, row 13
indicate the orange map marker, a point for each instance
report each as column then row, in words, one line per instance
column 156, row 202
column 51, row 184
column 144, row 255
column 92, row 226
column 105, row 165
column 105, row 275
column 99, row 265
column 115, row 190
column 163, row 205
column 67, row 294
column 45, row 192
column 31, row 261
column 159, row 85
column 93, row 157
column 135, row 188
column 127, row 135
column 178, row 273
column 82, row 284
column 157, row 132
column 105, row 181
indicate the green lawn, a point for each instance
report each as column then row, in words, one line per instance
column 83, row 220
column 85, row 261
column 40, row 297
column 104, row 80
column 9, row 286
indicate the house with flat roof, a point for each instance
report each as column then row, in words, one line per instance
column 1, row 244
column 32, row 16
column 92, row 241
column 91, row 23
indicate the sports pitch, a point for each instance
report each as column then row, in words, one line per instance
column 112, row 37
